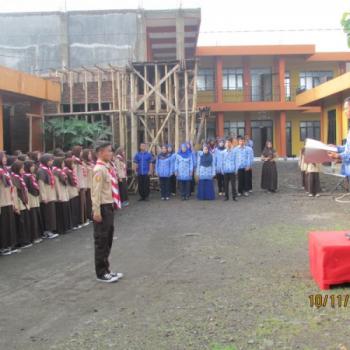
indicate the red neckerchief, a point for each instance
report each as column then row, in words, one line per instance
column 60, row 171
column 4, row 172
column 74, row 176
column 23, row 186
column 114, row 179
column 49, row 172
column 77, row 160
column 33, row 180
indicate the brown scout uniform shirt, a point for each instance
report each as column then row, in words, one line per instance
column 101, row 192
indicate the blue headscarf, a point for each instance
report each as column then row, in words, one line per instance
column 185, row 154
column 172, row 148
column 206, row 159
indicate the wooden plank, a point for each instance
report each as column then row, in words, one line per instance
column 133, row 116
column 145, row 105
column 194, row 102
column 186, row 107
column 176, row 96
column 160, row 129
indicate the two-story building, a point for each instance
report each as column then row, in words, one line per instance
column 251, row 90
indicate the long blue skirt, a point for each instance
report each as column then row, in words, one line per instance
column 206, row 190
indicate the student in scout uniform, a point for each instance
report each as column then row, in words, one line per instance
column 219, row 161
column 8, row 234
column 143, row 161
column 121, row 168
column 103, row 203
column 89, row 166
column 172, row 177
column 303, row 166
column 164, row 170
column 22, row 216
column 205, row 172
column 244, row 162
column 184, row 170
column 46, row 180
column 34, row 201
column 81, row 174
column 63, row 211
column 73, row 192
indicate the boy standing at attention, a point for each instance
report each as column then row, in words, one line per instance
column 103, row 203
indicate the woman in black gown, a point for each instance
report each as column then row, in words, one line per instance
column 269, row 177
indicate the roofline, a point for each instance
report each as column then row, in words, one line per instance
column 314, row 97
column 255, row 50
column 341, row 56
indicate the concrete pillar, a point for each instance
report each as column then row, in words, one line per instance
column 142, row 38
column 281, row 74
column 36, row 132
column 64, row 39
column 220, row 132
column 180, row 36
column 1, row 124
column 283, row 142
column 247, row 89
column 248, row 124
column 218, row 80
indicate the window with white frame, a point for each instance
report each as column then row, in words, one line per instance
column 232, row 78
column 205, row 79
column 310, row 79
column 310, row 129
column 234, row 128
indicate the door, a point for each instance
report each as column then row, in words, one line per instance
column 289, row 138
column 332, row 127
column 262, row 131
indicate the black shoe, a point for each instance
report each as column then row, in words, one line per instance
column 234, row 199
column 108, row 278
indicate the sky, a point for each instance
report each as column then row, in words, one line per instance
column 233, row 22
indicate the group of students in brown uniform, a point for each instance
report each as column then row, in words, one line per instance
column 45, row 195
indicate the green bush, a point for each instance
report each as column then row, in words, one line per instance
column 65, row 133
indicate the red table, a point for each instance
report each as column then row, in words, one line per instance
column 329, row 253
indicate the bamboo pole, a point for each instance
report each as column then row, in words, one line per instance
column 186, row 107
column 133, row 117
column 145, row 105
column 194, row 102
column 176, row 96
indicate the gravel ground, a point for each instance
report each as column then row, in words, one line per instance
column 213, row 275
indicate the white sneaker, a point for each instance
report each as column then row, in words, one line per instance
column 39, row 240
column 28, row 245
column 245, row 194
column 317, row 195
column 310, row 195
column 85, row 224
column 107, row 278
column 167, row 198
column 119, row 275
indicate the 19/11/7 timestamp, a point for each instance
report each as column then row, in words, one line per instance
column 332, row 300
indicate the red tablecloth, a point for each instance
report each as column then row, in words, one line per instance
column 329, row 253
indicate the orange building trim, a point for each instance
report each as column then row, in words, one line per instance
column 256, row 50
column 330, row 57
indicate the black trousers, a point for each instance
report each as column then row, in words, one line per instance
column 243, row 179
column 64, row 217
column 74, row 204
column 185, row 188
column 220, row 179
column 103, row 237
column 88, row 204
column 164, row 183
column 173, row 184
column 143, row 183
column 249, row 178
column 48, row 214
column 36, row 224
column 8, row 232
column 230, row 178
column 23, row 228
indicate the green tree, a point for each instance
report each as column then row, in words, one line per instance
column 345, row 22
column 65, row 133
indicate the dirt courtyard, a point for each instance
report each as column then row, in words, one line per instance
column 198, row 275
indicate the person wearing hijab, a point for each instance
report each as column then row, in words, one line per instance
column 184, row 170
column 73, row 192
column 8, row 232
column 219, row 161
column 205, row 172
column 164, row 170
column 46, row 180
column 81, row 173
column 63, row 210
column 34, row 201
column 121, row 167
column 172, row 177
column 89, row 166
column 269, row 177
column 24, row 239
